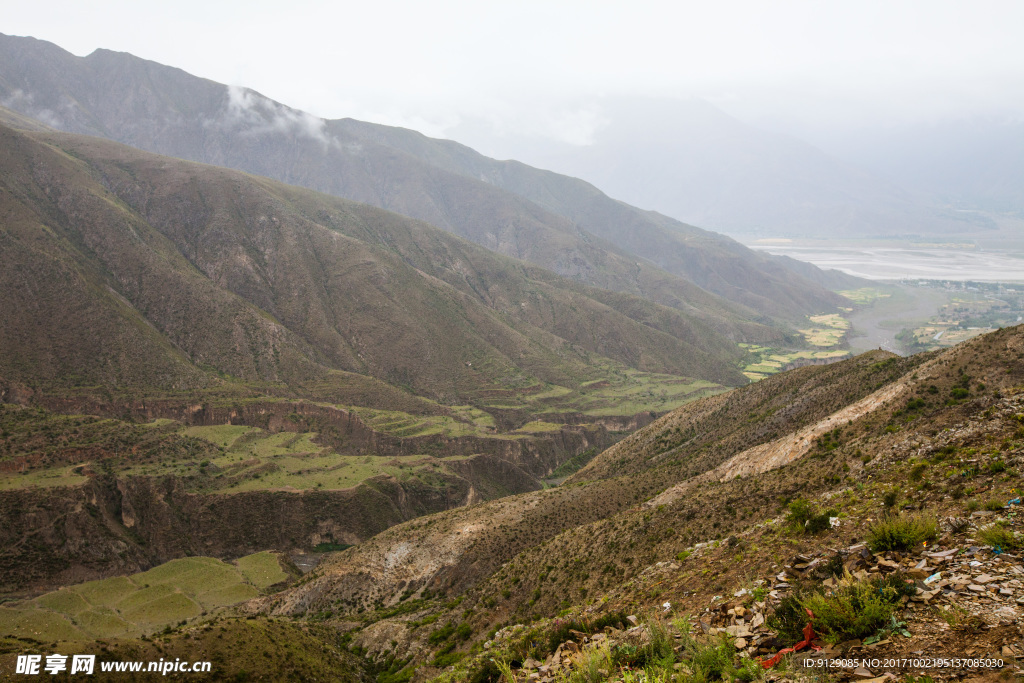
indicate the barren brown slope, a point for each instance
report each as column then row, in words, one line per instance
column 557, row 222
column 637, row 558
column 453, row 551
column 266, row 282
column 590, row 558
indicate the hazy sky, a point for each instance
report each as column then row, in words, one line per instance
column 540, row 68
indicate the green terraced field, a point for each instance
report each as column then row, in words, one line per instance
column 58, row 476
column 623, row 393
column 826, row 330
column 222, row 435
column 406, row 425
column 234, row 458
column 539, row 426
column 142, row 603
column 865, row 295
column 764, row 361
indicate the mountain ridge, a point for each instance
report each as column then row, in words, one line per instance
column 191, row 216
column 167, row 111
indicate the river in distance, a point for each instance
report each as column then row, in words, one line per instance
column 904, row 262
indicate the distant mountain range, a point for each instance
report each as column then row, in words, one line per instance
column 690, row 160
column 557, row 222
column 972, row 163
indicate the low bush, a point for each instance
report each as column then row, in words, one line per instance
column 656, row 652
column 707, row 661
column 789, row 617
column 1002, row 537
column 803, row 517
column 447, row 659
column 902, row 532
column 441, row 634
column 856, row 609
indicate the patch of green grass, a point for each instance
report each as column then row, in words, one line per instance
column 65, row 600
column 228, row 595
column 190, row 574
column 106, row 592
column 39, row 625
column 103, row 623
column 621, row 391
column 43, row 478
column 539, row 426
column 145, row 602
column 220, row 435
column 405, row 425
column 1001, row 536
column 263, row 570
column 826, row 330
column 864, row 295
column 167, row 609
column 763, row 361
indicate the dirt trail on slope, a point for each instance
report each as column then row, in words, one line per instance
column 784, row 450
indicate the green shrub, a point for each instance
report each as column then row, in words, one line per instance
column 441, row 634
column 492, row 672
column 915, row 404
column 594, row 665
column 803, row 517
column 999, row 536
column 855, row 610
column 994, row 505
column 996, row 466
column 709, row 661
column 902, row 532
column 448, row 659
column 789, row 617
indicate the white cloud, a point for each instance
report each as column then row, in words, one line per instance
column 23, row 102
column 253, row 114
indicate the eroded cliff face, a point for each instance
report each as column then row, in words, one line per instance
column 118, row 523
column 343, row 431
column 113, row 526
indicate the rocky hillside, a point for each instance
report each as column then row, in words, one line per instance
column 929, row 445
column 557, row 222
column 889, row 508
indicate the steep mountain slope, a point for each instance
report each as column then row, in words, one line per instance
column 128, row 268
column 456, row 550
column 713, row 261
column 582, row 234
column 929, row 430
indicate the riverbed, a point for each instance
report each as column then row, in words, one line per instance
column 906, row 263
